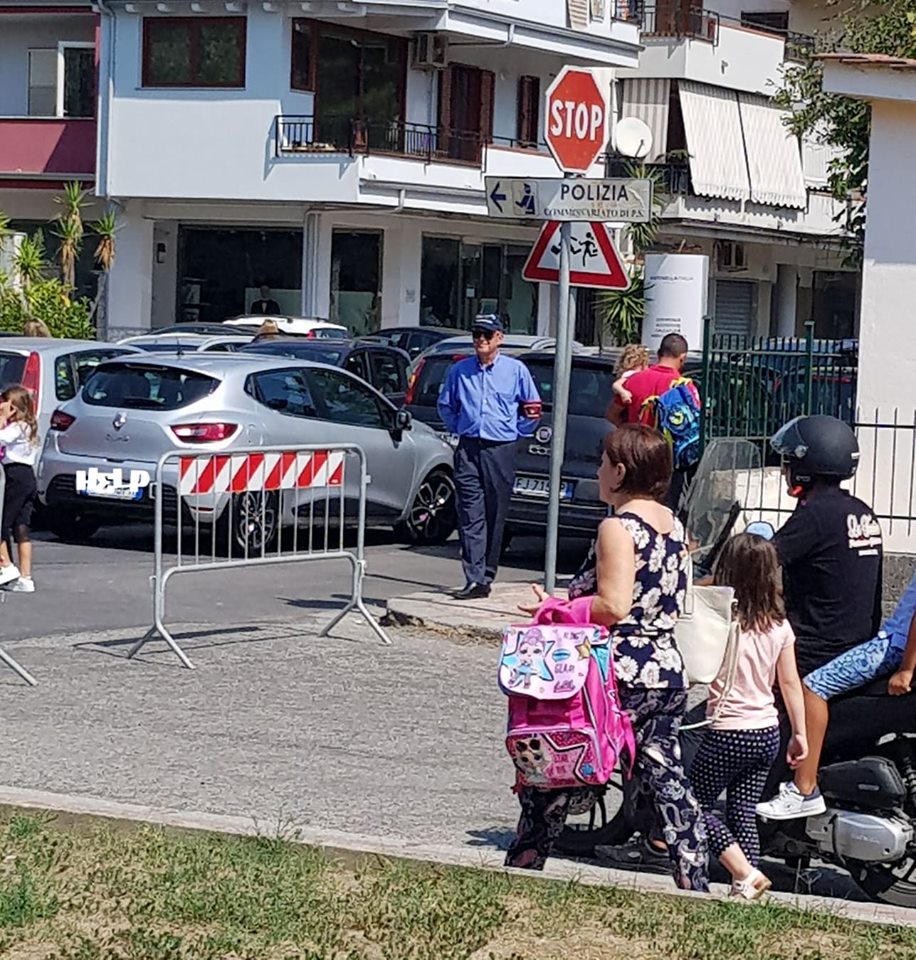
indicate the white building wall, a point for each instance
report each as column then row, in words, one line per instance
column 130, row 282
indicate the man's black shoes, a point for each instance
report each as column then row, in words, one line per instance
column 472, row 591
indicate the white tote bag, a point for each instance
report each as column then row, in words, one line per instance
column 705, row 629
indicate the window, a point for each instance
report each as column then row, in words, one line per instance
column 388, row 371
column 529, row 105
column 42, row 83
column 345, row 400
column 194, row 52
column 303, row 56
column 589, row 389
column 465, row 112
column 62, row 81
column 285, row 391
column 356, row 364
column 146, row 388
column 772, row 22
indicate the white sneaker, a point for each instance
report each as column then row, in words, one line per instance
column 8, row 574
column 791, row 804
column 22, row 585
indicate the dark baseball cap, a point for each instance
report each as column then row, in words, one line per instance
column 489, row 322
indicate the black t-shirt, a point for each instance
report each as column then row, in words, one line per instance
column 831, row 555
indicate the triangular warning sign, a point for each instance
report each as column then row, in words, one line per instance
column 593, row 258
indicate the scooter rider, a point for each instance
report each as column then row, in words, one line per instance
column 831, row 553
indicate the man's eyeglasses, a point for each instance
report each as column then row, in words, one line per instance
column 484, row 334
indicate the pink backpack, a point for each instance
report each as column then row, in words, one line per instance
column 566, row 727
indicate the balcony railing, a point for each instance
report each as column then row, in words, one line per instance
column 47, row 146
column 675, row 20
column 360, row 137
column 672, row 178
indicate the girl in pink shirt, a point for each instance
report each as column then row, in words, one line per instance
column 743, row 740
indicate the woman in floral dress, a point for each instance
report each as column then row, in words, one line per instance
column 636, row 574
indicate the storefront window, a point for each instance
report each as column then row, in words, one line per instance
column 356, row 257
column 460, row 279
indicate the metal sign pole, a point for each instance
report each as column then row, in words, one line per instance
column 561, row 377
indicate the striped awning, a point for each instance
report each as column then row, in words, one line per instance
column 648, row 101
column 773, row 154
column 715, row 143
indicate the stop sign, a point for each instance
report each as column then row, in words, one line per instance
column 576, row 119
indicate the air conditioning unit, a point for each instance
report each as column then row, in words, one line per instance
column 430, row 51
column 730, row 255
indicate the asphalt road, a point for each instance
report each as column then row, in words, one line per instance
column 105, row 585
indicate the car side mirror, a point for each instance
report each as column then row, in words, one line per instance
column 403, row 420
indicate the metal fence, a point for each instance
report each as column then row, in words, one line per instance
column 261, row 506
column 4, row 656
column 885, row 479
column 753, row 385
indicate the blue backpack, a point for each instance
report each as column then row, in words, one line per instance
column 676, row 413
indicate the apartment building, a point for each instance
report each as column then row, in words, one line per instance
column 739, row 187
column 333, row 151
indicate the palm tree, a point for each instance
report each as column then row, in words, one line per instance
column 70, row 234
column 29, row 261
column 105, row 229
column 73, row 200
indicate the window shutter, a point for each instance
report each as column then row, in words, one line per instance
column 487, row 87
column 445, row 109
column 529, row 95
column 577, row 10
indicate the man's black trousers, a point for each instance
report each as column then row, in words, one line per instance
column 484, row 474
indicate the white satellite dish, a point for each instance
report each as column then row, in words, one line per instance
column 633, row 138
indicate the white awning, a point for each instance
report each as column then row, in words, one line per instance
column 648, row 101
column 816, row 159
column 773, row 154
column 712, row 123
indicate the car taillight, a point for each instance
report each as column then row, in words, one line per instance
column 412, row 383
column 204, row 432
column 61, row 421
column 31, row 376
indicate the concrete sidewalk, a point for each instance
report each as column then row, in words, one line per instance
column 482, row 620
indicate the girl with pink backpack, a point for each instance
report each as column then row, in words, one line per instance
column 633, row 583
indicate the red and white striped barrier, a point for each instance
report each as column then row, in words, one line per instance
column 244, row 472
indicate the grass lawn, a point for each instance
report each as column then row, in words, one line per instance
column 149, row 894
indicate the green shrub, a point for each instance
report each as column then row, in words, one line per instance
column 45, row 300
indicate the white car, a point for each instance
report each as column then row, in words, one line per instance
column 297, row 326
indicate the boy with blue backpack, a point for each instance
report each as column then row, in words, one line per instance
column 662, row 397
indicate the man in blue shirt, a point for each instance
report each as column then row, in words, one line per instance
column 488, row 401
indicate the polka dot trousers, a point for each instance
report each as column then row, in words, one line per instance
column 738, row 762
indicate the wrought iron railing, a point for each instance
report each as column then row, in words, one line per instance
column 675, row 20
column 361, row 137
column 671, row 177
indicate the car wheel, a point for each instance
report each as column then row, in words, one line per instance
column 433, row 514
column 250, row 523
column 70, row 527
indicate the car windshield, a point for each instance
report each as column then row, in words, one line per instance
column 299, row 351
column 589, row 388
column 146, row 387
column 167, row 346
column 12, row 366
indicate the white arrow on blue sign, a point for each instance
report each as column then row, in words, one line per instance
column 622, row 200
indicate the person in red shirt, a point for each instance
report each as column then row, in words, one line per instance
column 653, row 382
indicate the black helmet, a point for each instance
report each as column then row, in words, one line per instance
column 817, row 447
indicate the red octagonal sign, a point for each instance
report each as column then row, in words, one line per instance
column 576, row 119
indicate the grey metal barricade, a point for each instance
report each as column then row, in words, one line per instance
column 4, row 656
column 260, row 506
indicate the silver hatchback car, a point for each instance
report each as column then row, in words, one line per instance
column 133, row 410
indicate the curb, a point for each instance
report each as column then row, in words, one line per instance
column 81, row 813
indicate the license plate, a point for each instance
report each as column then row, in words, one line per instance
column 539, row 487
column 114, row 484
column 114, row 493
